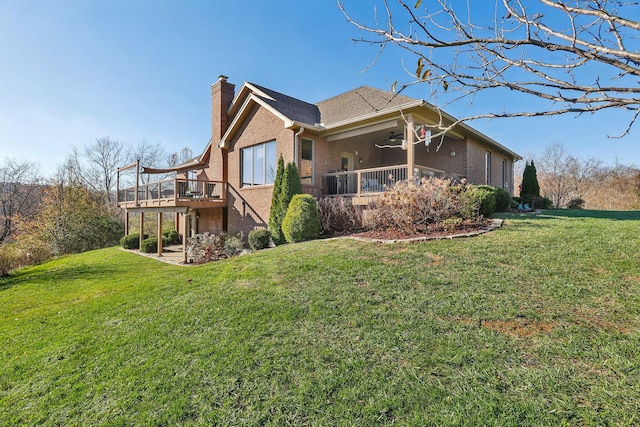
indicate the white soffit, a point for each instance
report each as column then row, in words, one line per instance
column 362, row 130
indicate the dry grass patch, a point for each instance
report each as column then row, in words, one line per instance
column 632, row 279
column 603, row 321
column 519, row 328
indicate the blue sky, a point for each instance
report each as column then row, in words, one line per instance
column 75, row 71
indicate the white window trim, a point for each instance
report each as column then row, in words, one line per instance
column 250, row 148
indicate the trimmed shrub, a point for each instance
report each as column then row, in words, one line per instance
column 541, row 203
column 478, row 200
column 172, row 237
column 259, row 239
column 132, row 241
column 302, row 221
column 503, row 200
column 337, row 214
column 151, row 244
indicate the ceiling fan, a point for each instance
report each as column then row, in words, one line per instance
column 393, row 137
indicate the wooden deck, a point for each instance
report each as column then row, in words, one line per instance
column 174, row 193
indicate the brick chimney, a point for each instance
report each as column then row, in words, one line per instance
column 222, row 93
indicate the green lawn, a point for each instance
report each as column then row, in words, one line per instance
column 537, row 323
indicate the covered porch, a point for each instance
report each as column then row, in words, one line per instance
column 377, row 155
column 371, row 181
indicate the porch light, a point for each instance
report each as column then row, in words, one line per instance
column 453, row 152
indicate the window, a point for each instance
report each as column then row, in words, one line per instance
column 487, row 162
column 505, row 182
column 306, row 161
column 259, row 164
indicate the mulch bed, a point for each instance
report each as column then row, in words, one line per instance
column 393, row 235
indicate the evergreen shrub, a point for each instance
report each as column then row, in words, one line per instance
column 172, row 237
column 478, row 199
column 259, row 239
column 503, row 199
column 132, row 241
column 150, row 245
column 302, row 221
column 275, row 214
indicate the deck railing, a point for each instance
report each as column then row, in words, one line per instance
column 370, row 181
column 172, row 190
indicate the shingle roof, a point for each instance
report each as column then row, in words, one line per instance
column 294, row 109
column 358, row 102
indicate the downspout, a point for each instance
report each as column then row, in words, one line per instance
column 295, row 146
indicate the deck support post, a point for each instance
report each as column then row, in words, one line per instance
column 185, row 225
column 159, row 233
column 141, row 230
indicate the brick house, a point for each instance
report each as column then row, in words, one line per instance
column 352, row 144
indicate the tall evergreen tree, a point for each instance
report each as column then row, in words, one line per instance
column 275, row 217
column 530, row 186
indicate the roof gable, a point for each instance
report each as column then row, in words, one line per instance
column 292, row 108
column 359, row 102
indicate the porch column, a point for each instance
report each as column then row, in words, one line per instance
column 411, row 152
column 126, row 223
column 159, row 233
column 141, row 229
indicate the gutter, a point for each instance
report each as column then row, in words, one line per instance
column 295, row 145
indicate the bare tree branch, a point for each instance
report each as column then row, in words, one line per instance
column 581, row 55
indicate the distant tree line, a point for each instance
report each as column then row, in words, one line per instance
column 573, row 182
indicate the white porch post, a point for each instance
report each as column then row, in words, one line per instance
column 411, row 152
